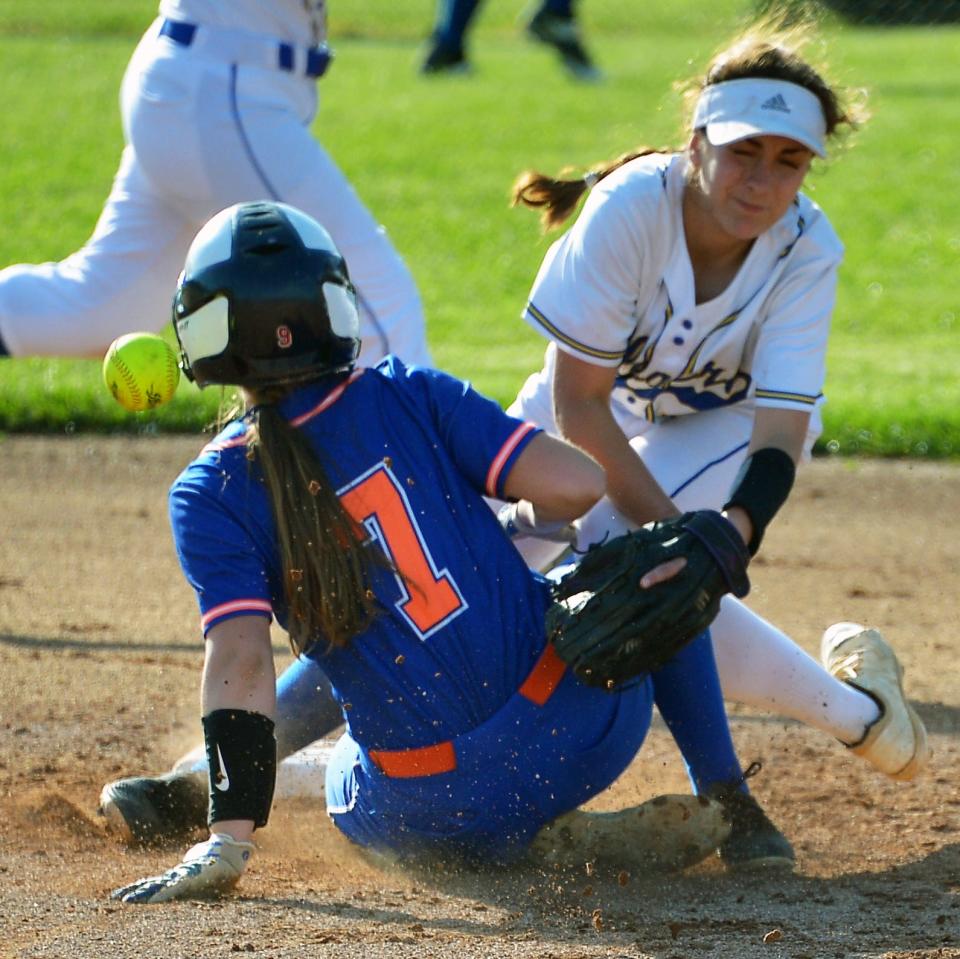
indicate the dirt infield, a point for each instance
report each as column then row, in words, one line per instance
column 99, row 673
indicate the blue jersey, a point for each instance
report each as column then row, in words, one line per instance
column 412, row 454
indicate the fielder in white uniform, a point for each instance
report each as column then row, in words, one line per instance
column 217, row 103
column 688, row 310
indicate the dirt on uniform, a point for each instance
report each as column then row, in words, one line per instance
column 100, row 660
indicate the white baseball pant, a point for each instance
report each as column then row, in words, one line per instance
column 203, row 133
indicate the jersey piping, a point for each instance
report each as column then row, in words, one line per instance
column 503, row 457
column 236, row 607
column 679, row 356
column 557, row 334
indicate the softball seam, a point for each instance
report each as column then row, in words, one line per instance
column 173, row 374
column 128, row 379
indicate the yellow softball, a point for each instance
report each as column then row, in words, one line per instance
column 141, row 371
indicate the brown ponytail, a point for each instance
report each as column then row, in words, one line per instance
column 558, row 198
column 326, row 567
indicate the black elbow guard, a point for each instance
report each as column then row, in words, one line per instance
column 761, row 488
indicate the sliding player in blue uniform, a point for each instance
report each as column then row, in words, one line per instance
column 350, row 505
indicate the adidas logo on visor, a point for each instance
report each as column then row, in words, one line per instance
column 776, row 103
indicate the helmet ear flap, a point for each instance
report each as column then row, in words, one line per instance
column 204, row 331
column 176, row 310
column 265, row 299
column 342, row 310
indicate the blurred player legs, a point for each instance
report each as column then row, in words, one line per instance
column 120, row 280
column 202, row 135
column 553, row 24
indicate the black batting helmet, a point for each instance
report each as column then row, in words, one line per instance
column 264, row 299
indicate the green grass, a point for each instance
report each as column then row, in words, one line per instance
column 434, row 159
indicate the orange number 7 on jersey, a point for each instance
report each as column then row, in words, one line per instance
column 429, row 598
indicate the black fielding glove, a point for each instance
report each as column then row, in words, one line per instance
column 611, row 631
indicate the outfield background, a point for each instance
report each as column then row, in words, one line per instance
column 434, row 159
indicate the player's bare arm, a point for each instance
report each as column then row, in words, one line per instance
column 561, row 481
column 238, row 674
column 581, row 397
column 551, row 484
column 238, row 702
column 780, row 428
column 238, row 670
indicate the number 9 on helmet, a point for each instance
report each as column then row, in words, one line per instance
column 264, row 299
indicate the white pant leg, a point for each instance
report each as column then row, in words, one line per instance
column 760, row 666
column 212, row 134
column 121, row 281
column 202, row 136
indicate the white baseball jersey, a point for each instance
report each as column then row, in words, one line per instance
column 618, row 290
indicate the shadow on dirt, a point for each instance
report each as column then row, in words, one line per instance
column 664, row 913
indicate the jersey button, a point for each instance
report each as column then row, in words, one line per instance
column 678, row 340
column 688, row 324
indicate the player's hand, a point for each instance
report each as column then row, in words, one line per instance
column 520, row 519
column 208, row 869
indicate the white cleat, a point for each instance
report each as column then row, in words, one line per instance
column 665, row 834
column 896, row 743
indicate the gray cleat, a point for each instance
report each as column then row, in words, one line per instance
column 147, row 811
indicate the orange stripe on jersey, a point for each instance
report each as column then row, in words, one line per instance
column 493, row 474
column 236, row 606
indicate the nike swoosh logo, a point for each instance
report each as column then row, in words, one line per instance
column 222, row 779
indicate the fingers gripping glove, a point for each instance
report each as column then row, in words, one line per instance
column 610, row 630
column 208, row 869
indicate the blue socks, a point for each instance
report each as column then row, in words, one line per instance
column 306, row 709
column 687, row 693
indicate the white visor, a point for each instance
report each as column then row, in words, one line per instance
column 753, row 107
